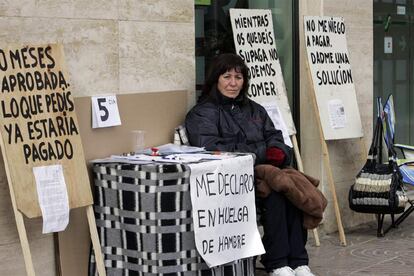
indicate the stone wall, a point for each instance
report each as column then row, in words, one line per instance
column 130, row 46
column 111, row 47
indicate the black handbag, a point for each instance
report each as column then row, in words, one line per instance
column 378, row 187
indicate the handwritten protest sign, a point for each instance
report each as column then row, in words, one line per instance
column 224, row 212
column 333, row 81
column 38, row 124
column 255, row 43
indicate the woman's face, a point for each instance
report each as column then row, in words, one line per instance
column 230, row 83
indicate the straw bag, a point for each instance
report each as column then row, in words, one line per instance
column 378, row 186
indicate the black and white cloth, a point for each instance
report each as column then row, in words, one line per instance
column 143, row 215
column 180, row 136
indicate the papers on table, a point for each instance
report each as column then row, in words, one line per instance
column 195, row 157
column 169, row 153
column 121, row 159
column 168, row 149
column 172, row 158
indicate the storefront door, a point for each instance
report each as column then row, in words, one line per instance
column 393, row 61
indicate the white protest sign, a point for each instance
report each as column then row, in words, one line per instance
column 255, row 43
column 224, row 211
column 105, row 111
column 330, row 68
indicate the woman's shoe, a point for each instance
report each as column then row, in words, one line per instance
column 283, row 271
column 303, row 270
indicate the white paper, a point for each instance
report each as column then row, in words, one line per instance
column 172, row 158
column 105, row 111
column 173, row 148
column 223, row 208
column 276, row 117
column 170, row 148
column 135, row 158
column 337, row 117
column 120, row 159
column 191, row 157
column 388, row 45
column 401, row 10
column 53, row 197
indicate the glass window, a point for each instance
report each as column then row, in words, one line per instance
column 394, row 69
column 214, row 34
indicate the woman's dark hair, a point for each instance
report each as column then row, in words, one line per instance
column 220, row 65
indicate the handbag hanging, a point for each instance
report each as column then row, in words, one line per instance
column 378, row 186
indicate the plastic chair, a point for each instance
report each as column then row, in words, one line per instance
column 406, row 163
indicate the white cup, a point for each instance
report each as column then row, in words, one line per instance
column 138, row 140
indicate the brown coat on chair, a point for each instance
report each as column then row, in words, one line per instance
column 298, row 187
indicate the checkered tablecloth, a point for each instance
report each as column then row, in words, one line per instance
column 143, row 215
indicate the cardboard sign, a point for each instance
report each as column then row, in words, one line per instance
column 224, row 211
column 38, row 125
column 255, row 43
column 333, row 81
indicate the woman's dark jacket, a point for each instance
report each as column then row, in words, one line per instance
column 234, row 125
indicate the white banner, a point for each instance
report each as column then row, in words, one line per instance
column 333, row 81
column 224, row 211
column 255, row 43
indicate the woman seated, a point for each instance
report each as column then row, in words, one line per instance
column 225, row 119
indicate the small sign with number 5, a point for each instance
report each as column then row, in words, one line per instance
column 105, row 111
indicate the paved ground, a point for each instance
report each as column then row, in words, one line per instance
column 365, row 254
